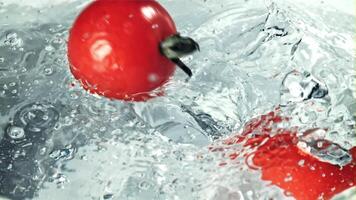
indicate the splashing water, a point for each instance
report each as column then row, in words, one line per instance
column 57, row 139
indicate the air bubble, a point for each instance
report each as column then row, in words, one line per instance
column 36, row 117
column 49, row 48
column 298, row 86
column 15, row 132
column 67, row 153
column 144, row 185
column 108, row 196
column 48, row 71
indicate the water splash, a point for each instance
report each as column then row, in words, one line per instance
column 93, row 148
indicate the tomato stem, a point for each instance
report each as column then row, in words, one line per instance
column 176, row 47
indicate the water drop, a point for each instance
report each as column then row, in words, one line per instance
column 155, row 26
column 289, row 178
column 301, row 163
column 152, row 78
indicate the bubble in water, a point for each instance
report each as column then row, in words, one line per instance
column 48, row 71
column 60, row 179
column 67, row 153
column 297, row 87
column 49, row 48
column 108, row 196
column 36, row 117
column 15, row 132
column 12, row 40
column 144, row 185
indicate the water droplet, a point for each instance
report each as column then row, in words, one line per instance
column 15, row 132
column 320, row 144
column 301, row 163
column 289, row 178
column 153, row 78
column 155, row 26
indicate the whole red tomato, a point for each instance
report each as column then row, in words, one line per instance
column 285, row 165
column 114, row 48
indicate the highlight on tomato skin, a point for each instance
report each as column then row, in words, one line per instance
column 113, row 49
column 283, row 164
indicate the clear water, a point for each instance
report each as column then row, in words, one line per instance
column 255, row 55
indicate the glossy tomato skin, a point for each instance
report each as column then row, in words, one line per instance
column 283, row 164
column 113, row 48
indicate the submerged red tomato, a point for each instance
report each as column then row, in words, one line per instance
column 283, row 163
column 113, row 48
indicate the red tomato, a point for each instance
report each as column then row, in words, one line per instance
column 283, row 164
column 113, row 48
